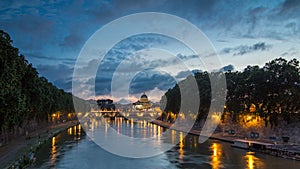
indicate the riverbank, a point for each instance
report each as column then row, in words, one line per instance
column 278, row 150
column 20, row 151
column 216, row 136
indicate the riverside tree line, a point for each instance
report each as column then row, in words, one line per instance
column 24, row 95
column 272, row 91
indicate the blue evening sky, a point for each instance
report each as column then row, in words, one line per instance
column 51, row 34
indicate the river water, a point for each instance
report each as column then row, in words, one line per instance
column 75, row 150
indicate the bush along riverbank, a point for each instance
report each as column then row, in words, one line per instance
column 27, row 157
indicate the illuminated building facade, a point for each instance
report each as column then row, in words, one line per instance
column 143, row 103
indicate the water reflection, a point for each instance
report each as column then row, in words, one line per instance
column 79, row 129
column 53, row 151
column 70, row 131
column 250, row 161
column 173, row 132
column 131, row 128
column 216, row 149
column 187, row 154
column 195, row 141
column 253, row 162
column 53, row 141
column 50, row 154
column 181, row 145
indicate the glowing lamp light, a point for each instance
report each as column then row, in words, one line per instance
column 252, row 108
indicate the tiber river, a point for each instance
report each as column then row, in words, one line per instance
column 75, row 150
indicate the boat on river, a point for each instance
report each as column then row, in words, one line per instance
column 249, row 144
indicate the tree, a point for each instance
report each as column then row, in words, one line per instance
column 24, row 96
column 274, row 90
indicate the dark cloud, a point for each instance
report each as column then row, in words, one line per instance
column 161, row 62
column 42, row 57
column 79, row 19
column 254, row 16
column 73, row 42
column 286, row 11
column 143, row 81
column 222, row 40
column 284, row 54
column 36, row 31
column 65, row 84
column 86, row 70
column 102, row 85
column 186, row 57
column 124, row 50
column 60, row 75
column 103, row 80
column 291, row 52
column 227, row 68
column 291, row 25
column 149, row 80
column 128, row 46
column 193, row 9
column 290, row 6
column 244, row 49
column 183, row 74
column 196, row 71
column 105, row 11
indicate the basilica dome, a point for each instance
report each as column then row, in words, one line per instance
column 144, row 98
column 143, row 103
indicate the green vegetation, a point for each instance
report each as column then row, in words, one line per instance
column 271, row 92
column 24, row 96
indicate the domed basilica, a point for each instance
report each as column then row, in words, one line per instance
column 143, row 103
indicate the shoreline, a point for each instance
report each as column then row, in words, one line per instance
column 214, row 136
column 20, row 151
column 275, row 150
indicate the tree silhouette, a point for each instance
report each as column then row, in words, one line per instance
column 273, row 91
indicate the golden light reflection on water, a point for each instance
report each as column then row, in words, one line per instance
column 53, row 141
column 158, row 133
column 216, row 155
column 181, row 145
column 53, row 151
column 131, row 126
column 75, row 132
column 119, row 126
column 195, row 142
column 252, row 161
column 70, row 131
column 154, row 130
column 173, row 136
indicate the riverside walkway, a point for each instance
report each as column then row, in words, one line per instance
column 17, row 147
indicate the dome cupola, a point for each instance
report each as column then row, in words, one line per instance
column 144, row 98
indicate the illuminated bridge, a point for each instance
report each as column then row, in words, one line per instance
column 106, row 113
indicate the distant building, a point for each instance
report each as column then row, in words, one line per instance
column 143, row 103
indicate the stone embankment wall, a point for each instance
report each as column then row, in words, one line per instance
column 243, row 129
column 252, row 123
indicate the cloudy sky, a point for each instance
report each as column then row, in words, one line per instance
column 52, row 33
